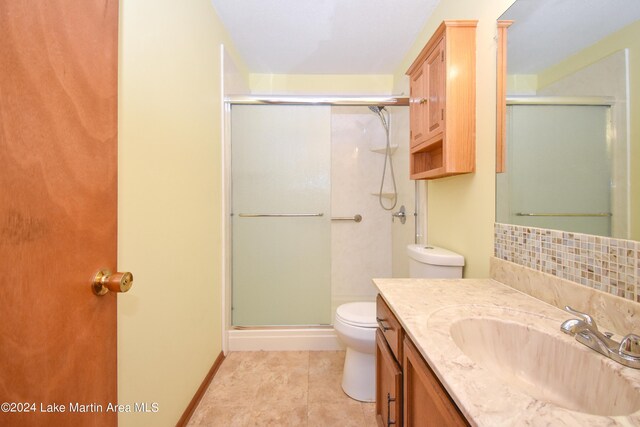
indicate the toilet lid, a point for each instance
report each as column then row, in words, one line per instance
column 361, row 314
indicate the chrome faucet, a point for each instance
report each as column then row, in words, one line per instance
column 626, row 352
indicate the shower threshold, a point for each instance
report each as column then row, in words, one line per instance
column 283, row 338
column 263, row 327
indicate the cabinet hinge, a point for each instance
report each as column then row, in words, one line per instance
column 442, row 114
column 442, row 56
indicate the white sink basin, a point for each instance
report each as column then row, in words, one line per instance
column 545, row 366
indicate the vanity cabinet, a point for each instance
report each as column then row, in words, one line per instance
column 442, row 103
column 426, row 402
column 408, row 393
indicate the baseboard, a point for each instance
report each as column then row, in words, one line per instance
column 188, row 413
column 324, row 339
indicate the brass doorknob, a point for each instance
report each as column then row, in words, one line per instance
column 105, row 281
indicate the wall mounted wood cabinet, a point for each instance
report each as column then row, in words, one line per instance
column 407, row 391
column 442, row 104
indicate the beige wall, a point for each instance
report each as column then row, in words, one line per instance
column 461, row 209
column 169, row 324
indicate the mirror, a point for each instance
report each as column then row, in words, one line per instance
column 570, row 123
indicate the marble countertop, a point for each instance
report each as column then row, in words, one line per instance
column 427, row 309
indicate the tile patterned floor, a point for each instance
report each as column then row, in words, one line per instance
column 299, row 388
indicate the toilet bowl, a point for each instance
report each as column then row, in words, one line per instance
column 355, row 322
column 355, row 325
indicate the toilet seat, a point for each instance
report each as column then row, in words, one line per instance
column 359, row 314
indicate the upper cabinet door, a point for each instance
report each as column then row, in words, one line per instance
column 435, row 80
column 418, row 98
column 427, row 98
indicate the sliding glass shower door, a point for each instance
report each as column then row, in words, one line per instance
column 280, row 161
column 562, row 162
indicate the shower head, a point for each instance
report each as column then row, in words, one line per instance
column 376, row 109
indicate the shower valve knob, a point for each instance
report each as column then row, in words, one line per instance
column 402, row 214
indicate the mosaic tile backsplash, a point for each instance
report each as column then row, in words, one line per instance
column 603, row 263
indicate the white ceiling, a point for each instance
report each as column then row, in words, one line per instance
column 547, row 31
column 323, row 36
column 372, row 36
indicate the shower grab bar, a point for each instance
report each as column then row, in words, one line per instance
column 564, row 214
column 355, row 218
column 279, row 215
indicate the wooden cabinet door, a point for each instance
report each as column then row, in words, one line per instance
column 388, row 385
column 426, row 402
column 435, row 92
column 58, row 163
column 417, row 99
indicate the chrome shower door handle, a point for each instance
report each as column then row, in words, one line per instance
column 279, row 215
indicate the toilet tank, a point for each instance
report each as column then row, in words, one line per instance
column 433, row 262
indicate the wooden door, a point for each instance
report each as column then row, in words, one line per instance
column 435, row 90
column 58, row 157
column 426, row 402
column 388, row 385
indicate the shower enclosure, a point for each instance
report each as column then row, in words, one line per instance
column 282, row 215
column 300, row 175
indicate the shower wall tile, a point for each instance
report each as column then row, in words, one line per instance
column 359, row 251
column 403, row 234
column 603, row 263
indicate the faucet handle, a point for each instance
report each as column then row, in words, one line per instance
column 584, row 316
column 630, row 346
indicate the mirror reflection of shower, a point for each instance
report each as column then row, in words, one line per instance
column 386, row 123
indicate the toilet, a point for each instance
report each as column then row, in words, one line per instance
column 355, row 322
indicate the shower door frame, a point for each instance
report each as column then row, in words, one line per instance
column 322, row 333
